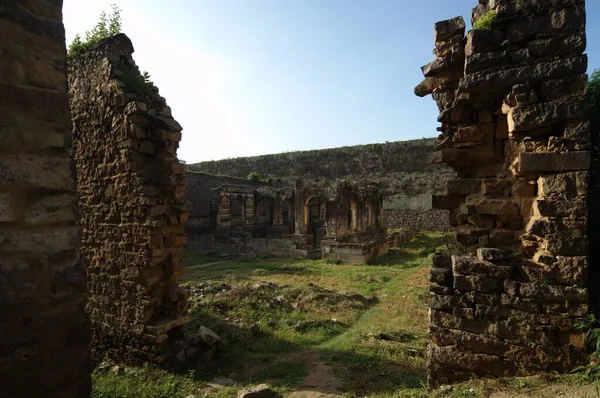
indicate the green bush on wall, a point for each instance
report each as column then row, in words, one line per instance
column 486, row 21
column 107, row 26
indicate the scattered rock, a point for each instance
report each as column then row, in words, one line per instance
column 208, row 336
column 220, row 382
column 260, row 391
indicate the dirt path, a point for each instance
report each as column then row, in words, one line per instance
column 320, row 381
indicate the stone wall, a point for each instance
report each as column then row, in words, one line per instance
column 199, row 194
column 513, row 112
column 131, row 190
column 430, row 220
column 401, row 168
column 44, row 332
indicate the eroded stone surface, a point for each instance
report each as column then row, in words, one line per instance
column 131, row 194
column 515, row 130
column 44, row 330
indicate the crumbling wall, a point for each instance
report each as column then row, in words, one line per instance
column 513, row 113
column 131, row 190
column 199, row 194
column 44, row 332
column 429, row 220
column 401, row 169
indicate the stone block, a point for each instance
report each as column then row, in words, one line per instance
column 497, row 206
column 440, row 276
column 571, row 270
column 554, row 161
column 37, row 171
column 552, row 293
column 529, row 117
column 564, row 184
column 59, row 209
column 497, row 187
column 8, row 207
column 495, row 255
column 523, row 187
column 444, row 30
column 442, row 260
column 463, row 186
column 54, row 240
column 567, row 243
column 475, row 283
column 472, row 266
column 502, row 79
column 467, row 134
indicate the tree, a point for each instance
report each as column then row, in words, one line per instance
column 107, row 26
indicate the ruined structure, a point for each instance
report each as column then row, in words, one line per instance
column 44, row 330
column 401, row 169
column 131, row 190
column 340, row 221
column 513, row 112
column 332, row 220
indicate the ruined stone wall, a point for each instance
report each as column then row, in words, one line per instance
column 513, row 113
column 401, row 168
column 199, row 195
column 429, row 220
column 44, row 332
column 131, row 191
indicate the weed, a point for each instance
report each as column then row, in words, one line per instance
column 136, row 82
column 591, row 371
column 486, row 21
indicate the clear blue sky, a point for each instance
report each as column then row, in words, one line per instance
column 249, row 77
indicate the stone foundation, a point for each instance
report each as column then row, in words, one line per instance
column 513, row 112
column 131, row 189
column 44, row 331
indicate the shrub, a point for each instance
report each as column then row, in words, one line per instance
column 107, row 26
column 136, row 83
column 254, row 176
column 486, row 21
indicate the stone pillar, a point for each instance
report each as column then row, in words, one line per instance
column 131, row 188
column 44, row 332
column 513, row 113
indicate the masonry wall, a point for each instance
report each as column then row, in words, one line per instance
column 401, row 169
column 512, row 100
column 44, row 332
column 131, row 189
column 199, row 194
column 429, row 220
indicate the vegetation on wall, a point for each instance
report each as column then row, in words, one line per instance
column 254, row 176
column 486, row 21
column 136, row 82
column 108, row 25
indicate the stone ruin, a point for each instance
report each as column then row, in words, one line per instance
column 44, row 330
column 513, row 125
column 131, row 190
column 512, row 101
column 339, row 221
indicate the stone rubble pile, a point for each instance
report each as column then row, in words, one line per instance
column 512, row 102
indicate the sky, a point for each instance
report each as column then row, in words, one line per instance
column 251, row 77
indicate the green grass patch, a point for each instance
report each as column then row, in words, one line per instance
column 486, row 21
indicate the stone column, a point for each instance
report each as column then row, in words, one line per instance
column 513, row 124
column 44, row 331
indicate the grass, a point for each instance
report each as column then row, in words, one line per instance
column 364, row 326
column 304, row 325
column 486, row 21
